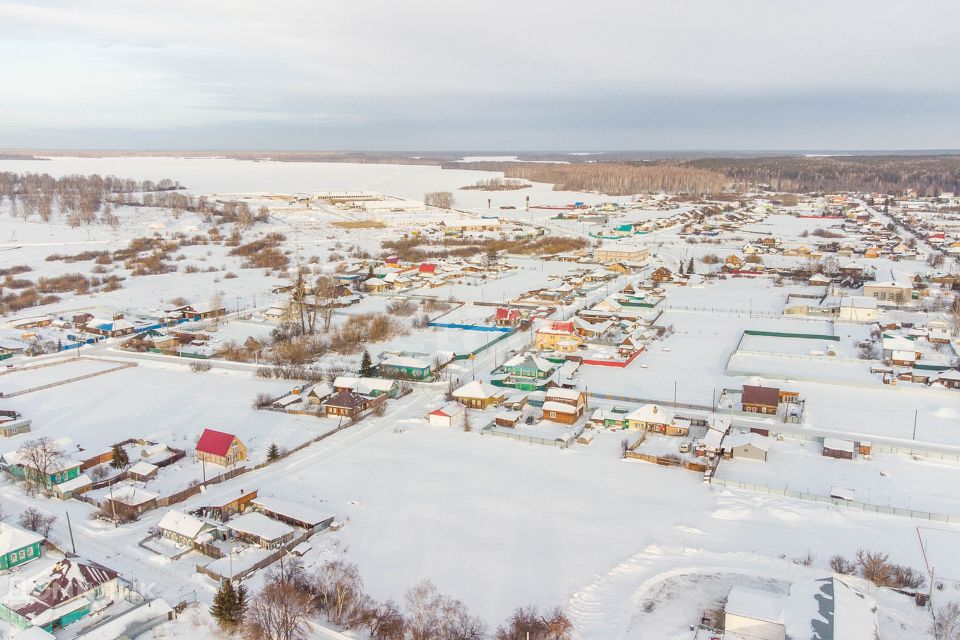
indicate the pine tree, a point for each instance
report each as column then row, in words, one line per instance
column 239, row 605
column 273, row 453
column 224, row 605
column 690, row 267
column 120, row 458
column 366, row 365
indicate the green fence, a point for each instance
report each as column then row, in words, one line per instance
column 781, row 334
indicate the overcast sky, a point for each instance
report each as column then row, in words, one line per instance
column 480, row 75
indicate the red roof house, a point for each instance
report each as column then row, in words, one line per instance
column 220, row 448
column 507, row 317
column 428, row 267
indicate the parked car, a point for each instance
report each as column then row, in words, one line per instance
column 685, row 446
column 529, row 420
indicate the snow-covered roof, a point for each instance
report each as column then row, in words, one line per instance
column 755, row 604
column 13, row 538
column 836, row 444
column 477, row 390
column 119, row 625
column 558, row 407
column 450, row 409
column 131, row 495
column 260, row 526
column 293, row 510
column 741, row 439
column 143, row 468
column 651, row 413
column 182, row 524
column 564, row 394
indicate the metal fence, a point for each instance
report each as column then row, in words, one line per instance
column 850, row 504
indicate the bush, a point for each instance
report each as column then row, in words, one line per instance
column 843, row 565
column 200, row 367
column 262, row 400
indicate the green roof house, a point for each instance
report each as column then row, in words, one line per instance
column 18, row 546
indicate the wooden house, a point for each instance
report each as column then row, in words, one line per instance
column 565, row 406
column 662, row 274
column 347, row 404
column 759, row 399
column 218, row 447
column 478, row 395
column 261, row 530
column 406, row 368
column 182, row 528
column 18, row 546
column 126, row 502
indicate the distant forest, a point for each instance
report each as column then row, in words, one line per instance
column 622, row 173
column 928, row 175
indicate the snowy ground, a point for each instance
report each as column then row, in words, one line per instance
column 630, row 550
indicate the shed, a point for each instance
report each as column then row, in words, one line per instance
column 837, row 448
column 447, row 416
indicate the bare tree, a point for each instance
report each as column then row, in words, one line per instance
column 439, row 199
column 386, row 622
column 40, row 457
column 36, row 520
column 279, row 612
column 338, row 586
column 946, row 622
column 527, row 623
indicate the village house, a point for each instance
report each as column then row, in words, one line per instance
column 759, row 399
column 949, row 379
column 292, row 513
column 751, row 446
column 19, row 465
column 182, row 528
column 528, row 367
column 218, row 447
column 661, row 275
column 12, row 424
column 317, row 393
column 565, row 406
column 261, row 530
column 448, row 415
column 199, row 311
column 115, row 327
column 859, row 309
column 226, row 507
column 612, row 418
column 478, row 395
column 652, row 417
column 373, row 387
column 346, row 404
column 557, row 335
column 406, row 368
column 127, row 502
column 18, row 546
column 507, row 317
column 59, row 592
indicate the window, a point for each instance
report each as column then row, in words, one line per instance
column 553, row 414
column 13, row 557
column 23, row 554
column 29, row 552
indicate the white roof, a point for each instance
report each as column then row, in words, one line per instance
column 293, row 510
column 259, row 525
column 364, row 385
column 143, row 468
column 81, row 481
column 559, row 407
column 131, row 495
column 12, row 538
column 182, row 524
column 405, row 361
column 477, row 390
column 741, row 439
column 451, row 409
column 755, row 604
column 565, row 394
column 837, row 444
column 949, row 374
column 651, row 413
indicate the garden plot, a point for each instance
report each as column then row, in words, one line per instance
column 888, row 480
column 62, row 372
column 166, row 404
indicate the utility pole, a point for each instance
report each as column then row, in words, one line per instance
column 70, row 527
column 915, row 424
